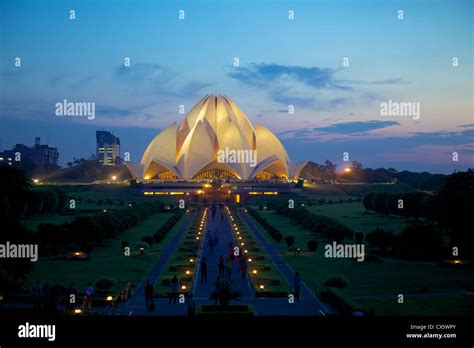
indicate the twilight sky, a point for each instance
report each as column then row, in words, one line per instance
column 283, row 62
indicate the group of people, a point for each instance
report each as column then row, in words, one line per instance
column 48, row 297
column 174, row 295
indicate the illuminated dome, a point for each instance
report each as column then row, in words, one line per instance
column 215, row 125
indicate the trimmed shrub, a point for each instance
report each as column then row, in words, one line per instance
column 336, row 281
column 125, row 244
column 104, row 284
column 147, row 239
column 359, row 237
column 290, row 240
column 312, row 245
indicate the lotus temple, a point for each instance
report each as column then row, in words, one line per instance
column 181, row 157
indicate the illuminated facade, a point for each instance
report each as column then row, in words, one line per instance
column 191, row 150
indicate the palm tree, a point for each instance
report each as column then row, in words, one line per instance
column 225, row 294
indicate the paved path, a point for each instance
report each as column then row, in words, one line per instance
column 136, row 305
column 308, row 302
column 221, row 227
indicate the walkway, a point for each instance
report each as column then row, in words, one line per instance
column 221, row 227
column 136, row 305
column 308, row 304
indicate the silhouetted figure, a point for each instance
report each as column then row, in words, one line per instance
column 174, row 290
column 211, row 244
column 150, row 305
column 37, row 295
column 203, row 270
column 297, row 281
column 243, row 267
column 228, row 267
column 191, row 306
column 221, row 266
column 88, row 293
column 53, row 298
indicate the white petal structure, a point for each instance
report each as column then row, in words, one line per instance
column 215, row 126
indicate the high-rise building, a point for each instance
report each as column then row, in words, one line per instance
column 108, row 148
column 41, row 155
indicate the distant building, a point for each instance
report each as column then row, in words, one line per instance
column 108, row 148
column 41, row 155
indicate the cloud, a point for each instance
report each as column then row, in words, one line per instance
column 356, row 127
column 388, row 81
column 261, row 74
column 154, row 75
column 194, row 88
column 469, row 125
column 287, row 97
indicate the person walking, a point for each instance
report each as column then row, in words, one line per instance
column 211, row 244
column 243, row 266
column 37, row 295
column 150, row 305
column 191, row 306
column 297, row 283
column 88, row 292
column 228, row 267
column 203, row 270
column 221, row 266
column 174, row 287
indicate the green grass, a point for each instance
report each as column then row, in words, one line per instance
column 363, row 189
column 180, row 259
column 108, row 261
column 352, row 215
column 33, row 222
column 369, row 278
column 430, row 305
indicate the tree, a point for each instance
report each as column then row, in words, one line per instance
column 312, row 245
column 14, row 185
column 50, row 201
column 147, row 239
column 34, row 203
column 359, row 237
column 290, row 240
column 104, row 284
column 368, row 201
column 455, row 204
column 62, row 198
column 421, row 241
column 380, row 202
column 356, row 167
column 380, row 239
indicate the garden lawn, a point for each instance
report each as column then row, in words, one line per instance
column 430, row 305
column 108, row 260
column 372, row 279
column 352, row 215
